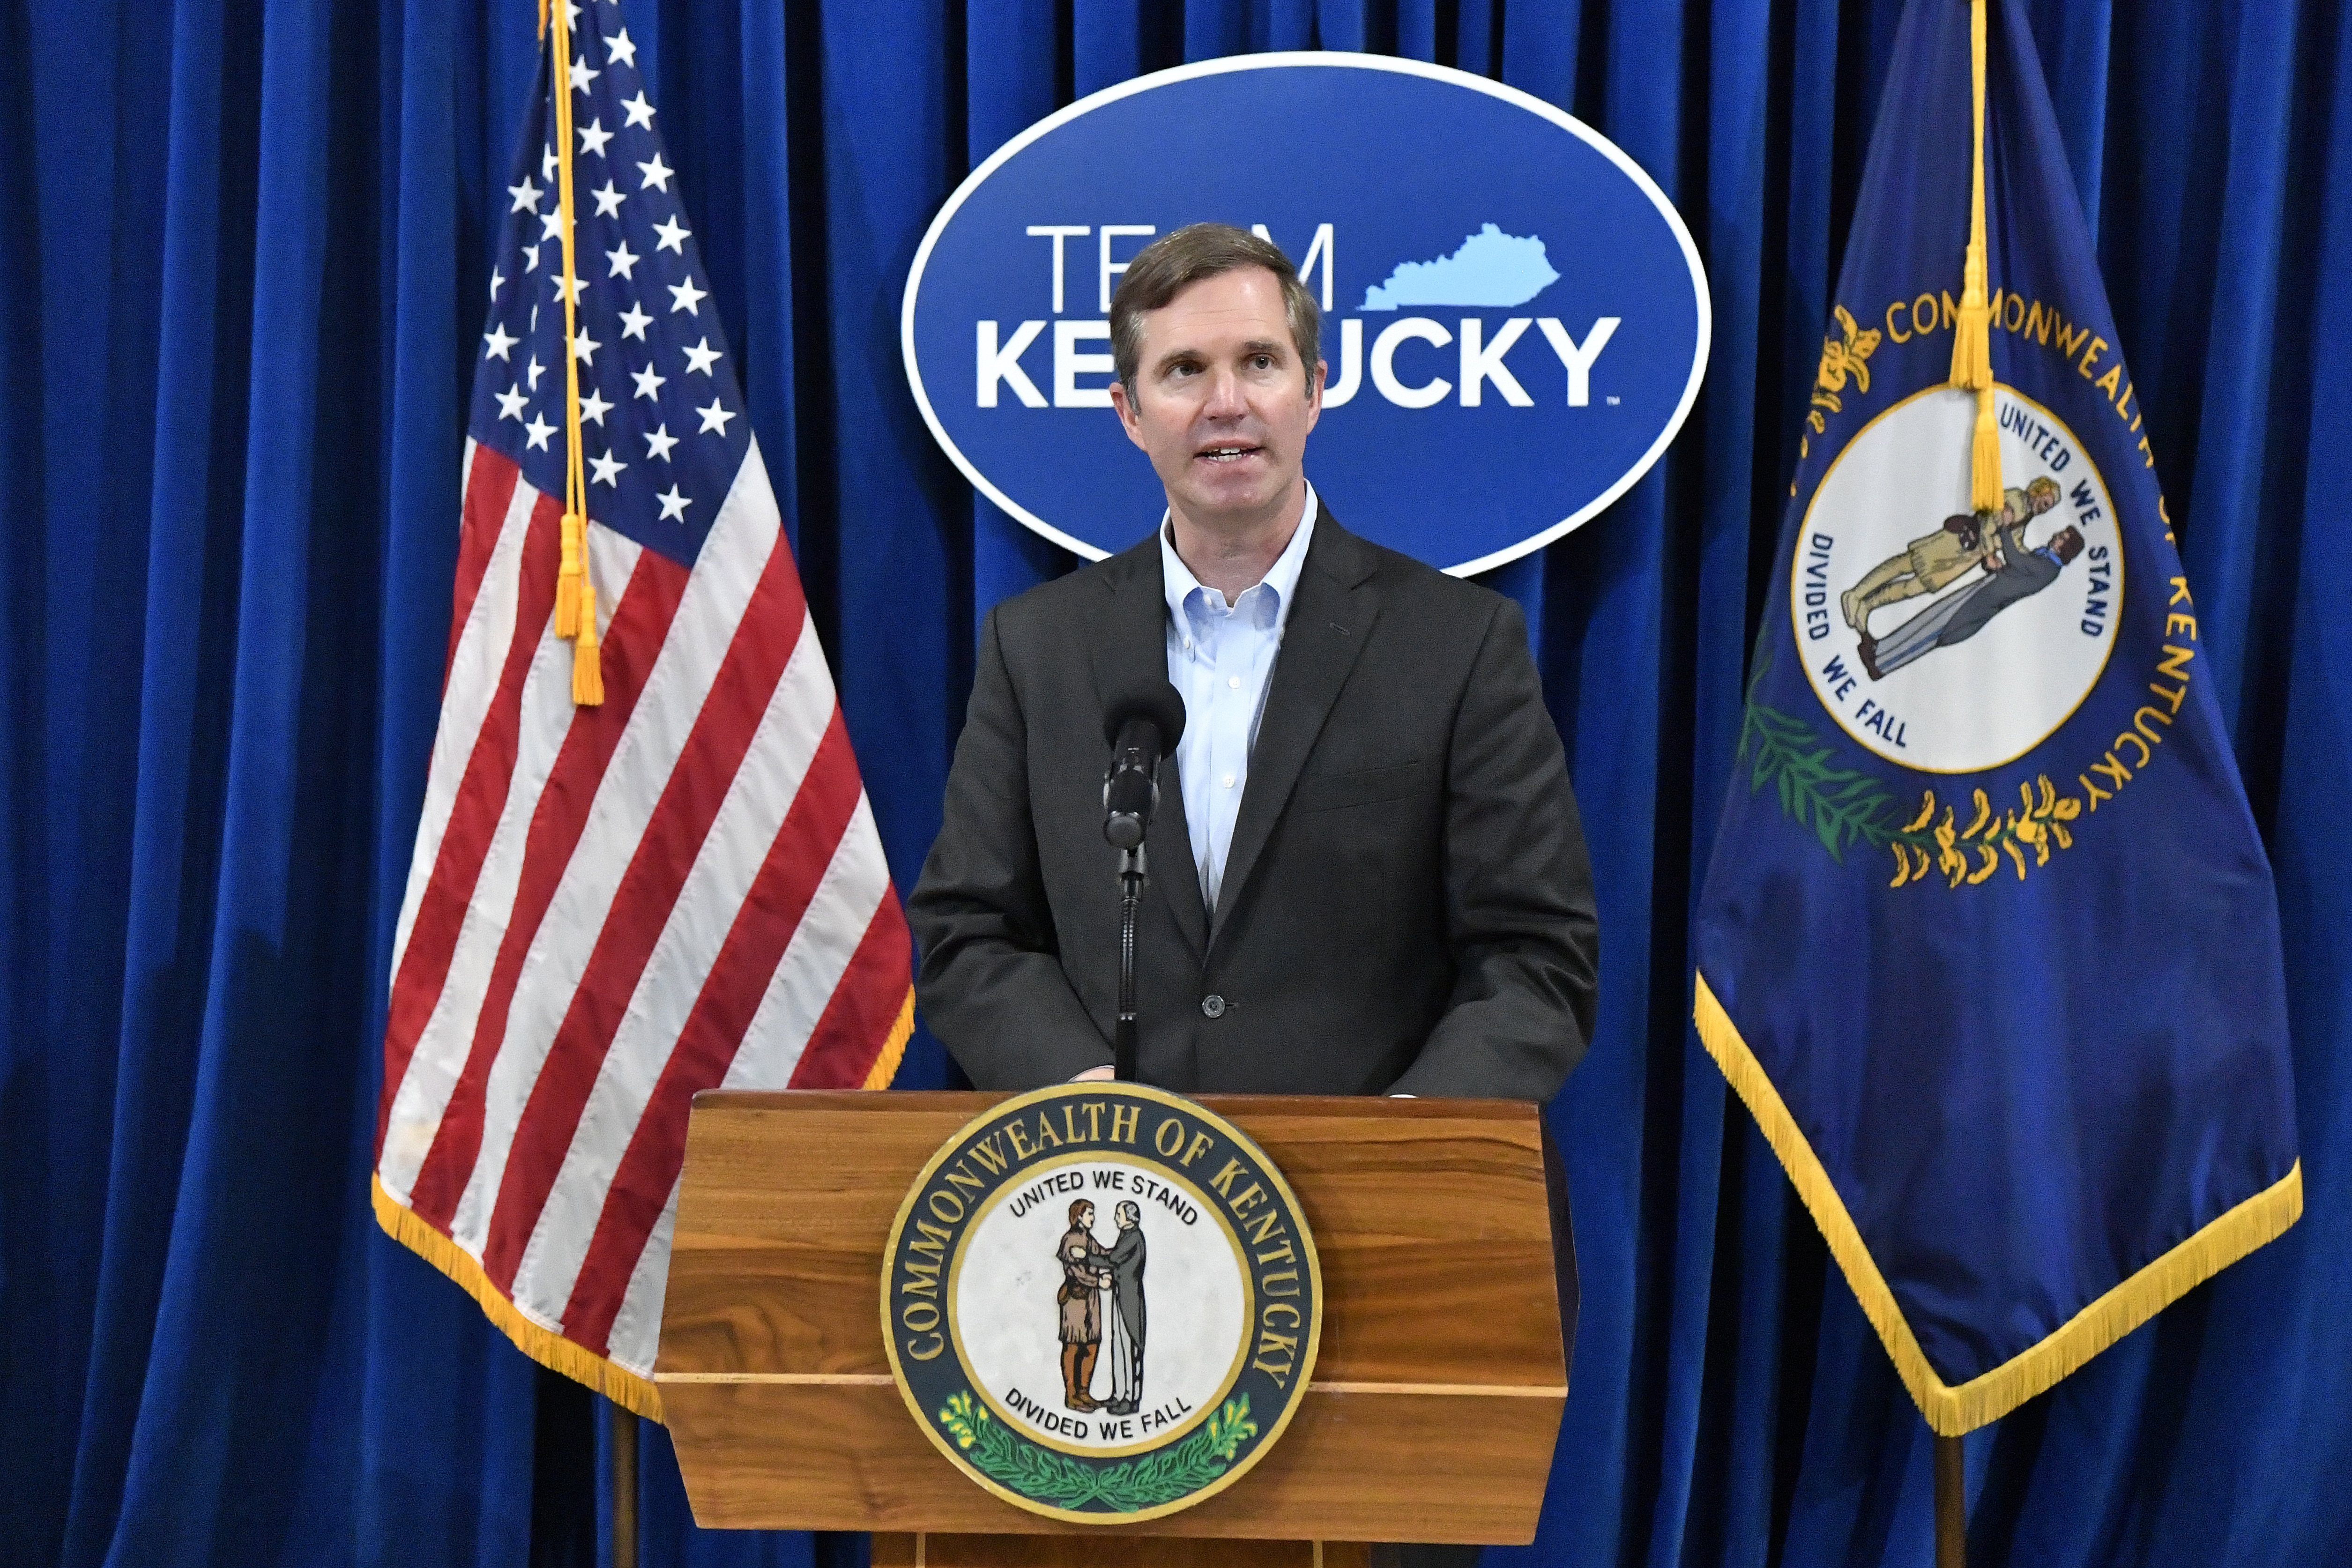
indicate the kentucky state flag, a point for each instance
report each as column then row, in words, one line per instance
column 1987, row 944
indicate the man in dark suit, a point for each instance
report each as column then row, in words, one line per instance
column 1367, row 875
column 1367, row 871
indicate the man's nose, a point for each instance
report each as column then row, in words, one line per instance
column 1226, row 400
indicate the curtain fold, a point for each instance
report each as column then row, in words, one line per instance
column 243, row 264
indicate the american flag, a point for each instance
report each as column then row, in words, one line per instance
column 612, row 907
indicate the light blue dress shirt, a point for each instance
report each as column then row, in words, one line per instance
column 1220, row 660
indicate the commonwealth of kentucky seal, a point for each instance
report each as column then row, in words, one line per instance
column 1101, row 1301
column 1946, row 640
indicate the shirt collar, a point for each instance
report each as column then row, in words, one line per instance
column 1281, row 580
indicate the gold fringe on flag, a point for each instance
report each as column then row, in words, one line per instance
column 893, row 1046
column 1972, row 334
column 548, row 1347
column 543, row 1344
column 575, row 589
column 1952, row 1409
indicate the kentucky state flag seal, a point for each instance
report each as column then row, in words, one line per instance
column 1987, row 944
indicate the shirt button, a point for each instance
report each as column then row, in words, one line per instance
column 1235, row 681
column 1214, row 1005
column 1229, row 780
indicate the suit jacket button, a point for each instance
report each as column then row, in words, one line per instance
column 1214, row 1005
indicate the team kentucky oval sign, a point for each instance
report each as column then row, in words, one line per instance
column 1514, row 319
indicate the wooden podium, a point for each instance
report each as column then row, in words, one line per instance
column 1448, row 1274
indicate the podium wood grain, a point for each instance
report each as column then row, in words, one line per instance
column 1133, row 1551
column 1435, row 1399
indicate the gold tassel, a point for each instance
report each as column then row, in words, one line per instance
column 1973, row 331
column 587, row 666
column 568, row 576
column 1984, row 460
column 575, row 591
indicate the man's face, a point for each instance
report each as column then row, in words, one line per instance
column 1221, row 405
column 1086, row 1218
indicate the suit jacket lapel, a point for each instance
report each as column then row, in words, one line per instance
column 1129, row 644
column 1327, row 623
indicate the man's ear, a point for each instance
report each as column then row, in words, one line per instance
column 1127, row 413
column 1315, row 393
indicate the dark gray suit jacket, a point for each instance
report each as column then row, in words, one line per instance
column 1407, row 906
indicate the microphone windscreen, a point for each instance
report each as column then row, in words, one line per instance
column 1157, row 705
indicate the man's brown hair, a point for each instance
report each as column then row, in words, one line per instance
column 1174, row 263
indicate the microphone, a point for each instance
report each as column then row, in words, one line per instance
column 1142, row 725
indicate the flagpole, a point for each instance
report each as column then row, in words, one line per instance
column 1951, row 1504
column 1972, row 372
column 576, row 618
column 623, row 1431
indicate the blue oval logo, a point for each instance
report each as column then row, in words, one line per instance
column 1515, row 317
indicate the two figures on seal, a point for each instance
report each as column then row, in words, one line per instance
column 1091, row 1272
column 1994, row 542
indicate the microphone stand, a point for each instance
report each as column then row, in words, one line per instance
column 1138, row 730
column 1131, row 882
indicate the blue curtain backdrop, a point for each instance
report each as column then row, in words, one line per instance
column 243, row 259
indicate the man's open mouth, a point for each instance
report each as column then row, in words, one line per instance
column 1231, row 453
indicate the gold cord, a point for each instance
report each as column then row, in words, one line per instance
column 1973, row 331
column 575, row 589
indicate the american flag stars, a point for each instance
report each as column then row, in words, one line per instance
column 638, row 289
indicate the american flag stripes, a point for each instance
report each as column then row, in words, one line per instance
column 612, row 907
